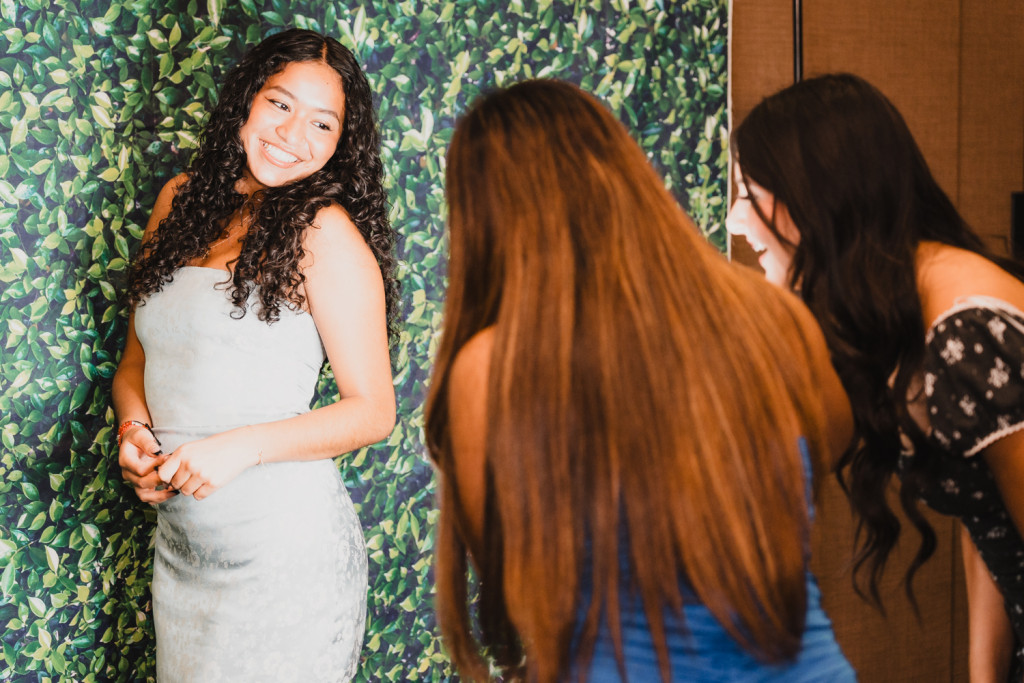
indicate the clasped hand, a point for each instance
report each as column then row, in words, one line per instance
column 139, row 457
column 196, row 469
column 199, row 468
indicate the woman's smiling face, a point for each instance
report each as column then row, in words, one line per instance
column 774, row 255
column 294, row 125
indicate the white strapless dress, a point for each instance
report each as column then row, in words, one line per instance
column 264, row 580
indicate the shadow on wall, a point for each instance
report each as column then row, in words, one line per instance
column 99, row 107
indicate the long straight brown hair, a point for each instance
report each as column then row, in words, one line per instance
column 645, row 400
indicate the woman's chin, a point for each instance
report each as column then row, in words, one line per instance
column 264, row 175
column 775, row 276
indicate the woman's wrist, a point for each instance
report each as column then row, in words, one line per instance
column 128, row 425
column 251, row 445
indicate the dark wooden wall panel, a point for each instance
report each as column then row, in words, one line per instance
column 910, row 51
column 991, row 115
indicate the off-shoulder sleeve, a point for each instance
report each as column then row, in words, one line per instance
column 974, row 377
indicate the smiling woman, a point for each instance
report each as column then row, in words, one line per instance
column 294, row 125
column 765, row 223
column 272, row 252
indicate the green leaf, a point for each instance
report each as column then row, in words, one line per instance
column 187, row 140
column 29, row 489
column 121, row 244
column 7, row 580
column 45, row 639
column 101, row 116
column 7, row 193
column 21, row 380
column 60, row 664
column 16, row 329
column 213, row 9
column 175, row 36
column 78, row 397
column 157, row 39
column 204, row 80
column 166, row 64
column 273, row 18
column 40, row 167
column 37, row 606
column 19, row 133
column 91, row 533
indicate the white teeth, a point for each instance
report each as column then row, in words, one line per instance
column 278, row 153
column 757, row 246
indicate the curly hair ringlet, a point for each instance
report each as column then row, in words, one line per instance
column 272, row 248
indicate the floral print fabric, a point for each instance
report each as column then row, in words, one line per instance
column 974, row 393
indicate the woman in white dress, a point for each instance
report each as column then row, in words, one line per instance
column 272, row 252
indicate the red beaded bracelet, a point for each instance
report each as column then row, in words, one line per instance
column 128, row 424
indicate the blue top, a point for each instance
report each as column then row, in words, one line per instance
column 704, row 651
column 700, row 649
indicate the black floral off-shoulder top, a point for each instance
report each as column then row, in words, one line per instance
column 974, row 393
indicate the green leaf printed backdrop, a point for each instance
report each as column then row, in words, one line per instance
column 101, row 103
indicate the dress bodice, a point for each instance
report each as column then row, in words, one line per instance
column 232, row 371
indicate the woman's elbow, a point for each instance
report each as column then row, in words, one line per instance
column 383, row 418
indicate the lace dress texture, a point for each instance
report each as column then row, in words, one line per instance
column 266, row 579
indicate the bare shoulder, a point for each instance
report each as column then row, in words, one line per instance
column 170, row 189
column 333, row 235
column 467, row 395
column 467, row 421
column 177, row 181
column 948, row 274
column 470, row 370
column 162, row 207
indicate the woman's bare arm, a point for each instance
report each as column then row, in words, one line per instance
column 990, row 633
column 345, row 294
column 139, row 453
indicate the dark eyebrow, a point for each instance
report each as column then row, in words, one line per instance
column 329, row 112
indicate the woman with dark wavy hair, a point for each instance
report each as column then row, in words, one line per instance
column 925, row 328
column 617, row 415
column 272, row 252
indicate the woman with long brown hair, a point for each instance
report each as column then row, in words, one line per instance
column 621, row 419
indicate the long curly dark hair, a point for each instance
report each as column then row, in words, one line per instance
column 839, row 156
column 272, row 248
